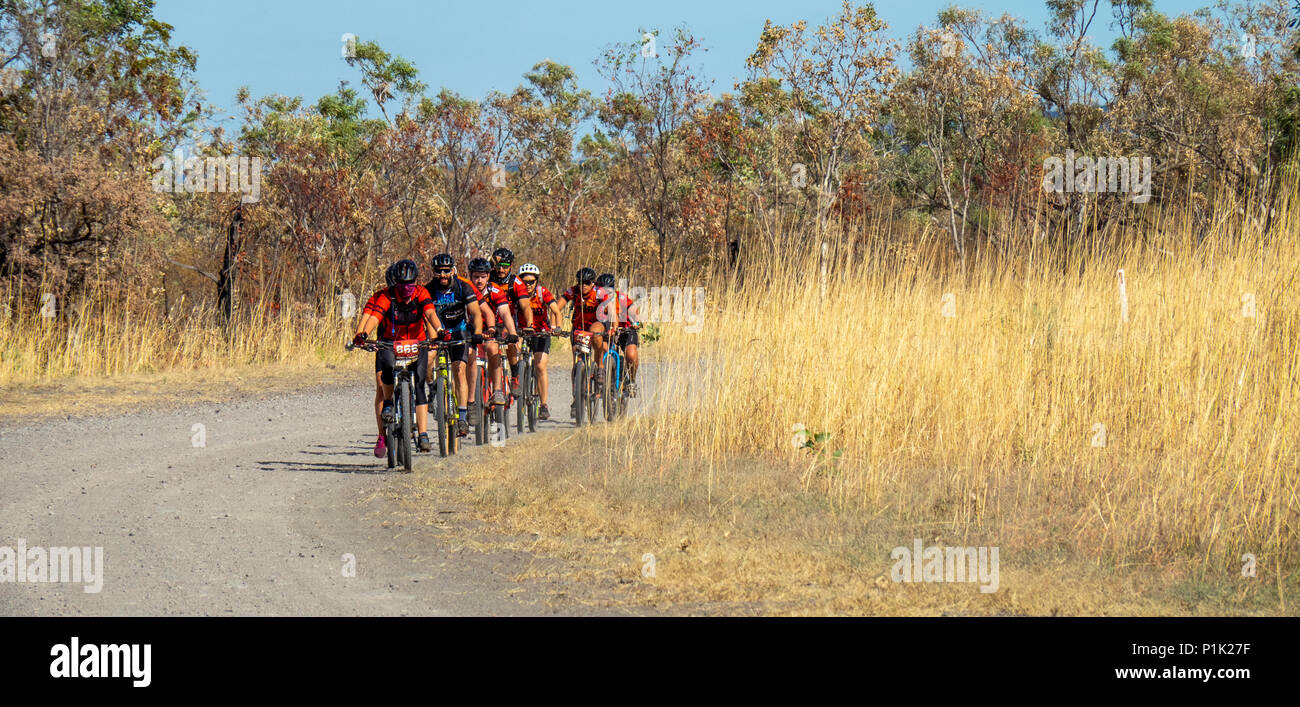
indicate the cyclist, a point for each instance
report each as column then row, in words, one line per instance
column 517, row 295
column 458, row 308
column 402, row 310
column 628, row 339
column 545, row 310
column 587, row 299
column 497, row 308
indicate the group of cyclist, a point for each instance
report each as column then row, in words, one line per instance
column 491, row 307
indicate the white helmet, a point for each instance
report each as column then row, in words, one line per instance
column 530, row 269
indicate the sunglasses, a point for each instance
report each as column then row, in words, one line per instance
column 504, row 264
column 529, row 280
column 443, row 271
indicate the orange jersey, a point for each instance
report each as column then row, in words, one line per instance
column 584, row 308
column 397, row 319
column 540, row 301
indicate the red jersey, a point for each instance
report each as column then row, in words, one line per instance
column 399, row 320
column 540, row 300
column 584, row 308
column 516, row 292
column 624, row 305
column 495, row 297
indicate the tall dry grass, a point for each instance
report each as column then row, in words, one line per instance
column 101, row 337
column 1010, row 402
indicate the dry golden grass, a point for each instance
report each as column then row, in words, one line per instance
column 107, row 356
column 1121, row 466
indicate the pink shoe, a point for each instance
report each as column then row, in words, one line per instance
column 381, row 447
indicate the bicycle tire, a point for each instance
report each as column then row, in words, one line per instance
column 407, row 412
column 610, row 391
column 531, row 397
column 440, row 415
column 453, row 420
column 578, row 387
column 397, row 425
column 589, row 390
column 516, row 401
column 480, row 429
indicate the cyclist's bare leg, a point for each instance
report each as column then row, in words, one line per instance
column 633, row 360
column 422, row 418
column 599, row 346
column 380, row 397
column 473, row 377
column 543, row 383
column 494, row 364
column 458, row 377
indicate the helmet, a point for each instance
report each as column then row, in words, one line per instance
column 606, row 280
column 503, row 255
column 404, row 272
column 388, row 276
column 530, row 269
column 443, row 260
column 479, row 265
column 586, row 276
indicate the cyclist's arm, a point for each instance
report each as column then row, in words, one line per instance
column 508, row 319
column 475, row 314
column 634, row 313
column 556, row 312
column 525, row 303
column 368, row 324
column 432, row 322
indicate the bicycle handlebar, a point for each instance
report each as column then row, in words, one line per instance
column 385, row 345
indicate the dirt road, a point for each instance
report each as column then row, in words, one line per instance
column 251, row 507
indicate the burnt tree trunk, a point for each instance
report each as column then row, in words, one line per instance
column 226, row 283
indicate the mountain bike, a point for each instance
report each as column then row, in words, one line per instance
column 529, row 396
column 401, row 434
column 584, row 385
column 518, row 387
column 482, row 396
column 617, row 375
column 442, row 404
column 509, row 384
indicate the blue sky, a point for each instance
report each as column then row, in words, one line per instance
column 294, row 47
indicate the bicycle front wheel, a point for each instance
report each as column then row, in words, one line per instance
column 440, row 412
column 531, row 397
column 609, row 393
column 579, row 387
column 481, row 428
column 406, row 411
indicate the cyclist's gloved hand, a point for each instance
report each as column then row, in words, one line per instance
column 526, row 331
column 446, row 335
column 511, row 338
column 476, row 339
column 359, row 340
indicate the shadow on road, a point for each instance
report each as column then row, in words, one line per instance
column 377, row 465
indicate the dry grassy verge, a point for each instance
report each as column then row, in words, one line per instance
column 757, row 542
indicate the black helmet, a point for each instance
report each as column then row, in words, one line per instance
column 404, row 272
column 503, row 255
column 388, row 275
column 606, row 280
column 479, row 265
column 586, row 276
column 443, row 260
